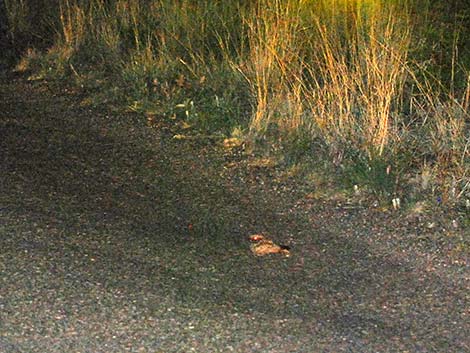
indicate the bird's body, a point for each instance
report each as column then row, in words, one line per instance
column 261, row 246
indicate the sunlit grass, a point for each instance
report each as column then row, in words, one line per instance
column 354, row 81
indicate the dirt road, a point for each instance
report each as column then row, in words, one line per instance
column 117, row 237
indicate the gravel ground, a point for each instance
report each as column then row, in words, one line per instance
column 116, row 237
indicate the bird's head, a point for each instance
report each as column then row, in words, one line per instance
column 256, row 238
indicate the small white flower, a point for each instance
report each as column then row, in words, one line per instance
column 396, row 203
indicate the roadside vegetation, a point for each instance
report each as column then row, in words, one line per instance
column 370, row 96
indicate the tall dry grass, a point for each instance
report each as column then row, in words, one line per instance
column 339, row 69
column 361, row 78
column 342, row 72
column 274, row 62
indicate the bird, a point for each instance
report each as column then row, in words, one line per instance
column 261, row 246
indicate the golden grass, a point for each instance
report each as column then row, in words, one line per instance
column 338, row 71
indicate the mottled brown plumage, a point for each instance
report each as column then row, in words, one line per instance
column 262, row 246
